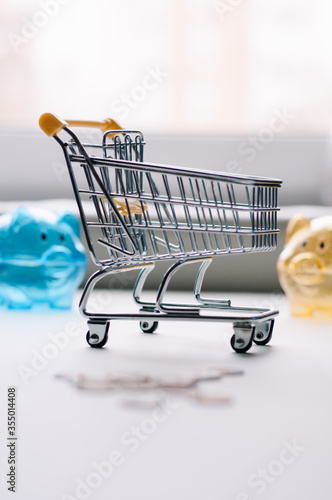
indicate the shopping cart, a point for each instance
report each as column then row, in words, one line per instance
column 148, row 213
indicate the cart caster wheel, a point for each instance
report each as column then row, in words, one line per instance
column 242, row 339
column 93, row 340
column 263, row 333
column 148, row 326
column 98, row 335
column 238, row 345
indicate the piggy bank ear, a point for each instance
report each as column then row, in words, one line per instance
column 297, row 223
column 72, row 221
column 19, row 218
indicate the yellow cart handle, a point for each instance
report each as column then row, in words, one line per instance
column 52, row 125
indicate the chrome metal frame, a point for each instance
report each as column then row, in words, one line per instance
column 214, row 222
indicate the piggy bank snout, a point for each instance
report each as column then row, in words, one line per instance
column 57, row 259
column 307, row 269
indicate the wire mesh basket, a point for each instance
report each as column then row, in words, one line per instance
column 144, row 213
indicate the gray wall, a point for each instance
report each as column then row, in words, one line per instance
column 32, row 164
column 33, row 168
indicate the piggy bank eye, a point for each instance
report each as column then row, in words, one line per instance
column 43, row 236
column 62, row 238
column 304, row 244
column 322, row 246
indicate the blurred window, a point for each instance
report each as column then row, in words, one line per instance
column 190, row 66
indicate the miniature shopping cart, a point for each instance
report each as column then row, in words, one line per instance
column 148, row 213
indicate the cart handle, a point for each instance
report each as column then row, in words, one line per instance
column 52, row 124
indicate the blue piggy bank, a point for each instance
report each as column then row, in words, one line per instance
column 42, row 259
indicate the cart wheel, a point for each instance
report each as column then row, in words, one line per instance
column 263, row 333
column 242, row 339
column 148, row 326
column 97, row 338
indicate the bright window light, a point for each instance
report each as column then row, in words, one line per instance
column 212, row 66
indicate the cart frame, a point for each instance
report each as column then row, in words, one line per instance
column 147, row 228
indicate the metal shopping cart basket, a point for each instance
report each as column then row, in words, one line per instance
column 148, row 213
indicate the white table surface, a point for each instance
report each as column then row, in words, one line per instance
column 283, row 399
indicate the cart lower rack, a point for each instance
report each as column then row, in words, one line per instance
column 145, row 213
